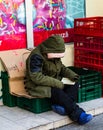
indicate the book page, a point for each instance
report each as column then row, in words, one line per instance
column 67, row 81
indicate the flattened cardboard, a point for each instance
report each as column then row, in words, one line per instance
column 17, row 88
column 14, row 62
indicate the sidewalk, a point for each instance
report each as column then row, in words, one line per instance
column 14, row 118
column 95, row 124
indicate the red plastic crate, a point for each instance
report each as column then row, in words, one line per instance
column 89, row 66
column 88, row 42
column 90, row 25
column 88, row 56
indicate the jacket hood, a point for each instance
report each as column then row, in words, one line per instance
column 54, row 44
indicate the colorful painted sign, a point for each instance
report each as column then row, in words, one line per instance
column 48, row 15
column 8, row 19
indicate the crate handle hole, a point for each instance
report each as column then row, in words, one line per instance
column 90, row 90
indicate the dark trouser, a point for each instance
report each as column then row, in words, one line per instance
column 67, row 98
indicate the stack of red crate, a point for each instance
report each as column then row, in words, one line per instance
column 88, row 43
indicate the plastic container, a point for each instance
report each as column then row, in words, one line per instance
column 8, row 99
column 89, row 93
column 90, row 25
column 88, row 56
column 5, row 83
column 35, row 105
column 88, row 42
column 90, row 84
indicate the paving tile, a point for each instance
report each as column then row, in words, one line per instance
column 43, row 127
column 57, row 119
column 16, row 114
column 91, row 112
column 52, row 116
column 6, row 124
column 34, row 121
column 14, row 118
column 61, row 122
column 68, row 121
column 92, row 104
column 99, row 110
column 5, row 109
column 1, row 102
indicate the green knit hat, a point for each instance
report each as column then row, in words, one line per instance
column 54, row 44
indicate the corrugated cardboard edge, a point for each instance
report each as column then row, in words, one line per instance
column 3, row 64
column 17, row 88
column 16, row 84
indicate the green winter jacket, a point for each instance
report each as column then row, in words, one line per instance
column 43, row 73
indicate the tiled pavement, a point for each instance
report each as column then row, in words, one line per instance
column 14, row 118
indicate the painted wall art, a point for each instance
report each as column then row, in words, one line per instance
column 47, row 15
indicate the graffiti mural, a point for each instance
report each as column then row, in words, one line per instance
column 8, row 19
column 47, row 15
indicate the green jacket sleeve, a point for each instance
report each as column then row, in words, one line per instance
column 39, row 79
column 68, row 73
column 34, row 64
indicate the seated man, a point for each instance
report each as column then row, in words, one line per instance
column 44, row 71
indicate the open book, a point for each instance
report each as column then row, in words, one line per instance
column 67, row 81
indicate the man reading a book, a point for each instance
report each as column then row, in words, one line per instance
column 44, row 73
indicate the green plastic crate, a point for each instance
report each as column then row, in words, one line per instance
column 35, row 105
column 0, row 90
column 5, row 83
column 90, row 84
column 87, row 77
column 8, row 99
column 89, row 93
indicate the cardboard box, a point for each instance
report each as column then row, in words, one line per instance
column 14, row 92
column 14, row 63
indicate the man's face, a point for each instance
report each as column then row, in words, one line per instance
column 55, row 55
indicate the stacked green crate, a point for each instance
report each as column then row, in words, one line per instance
column 0, row 91
column 8, row 99
column 90, row 84
column 35, row 105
